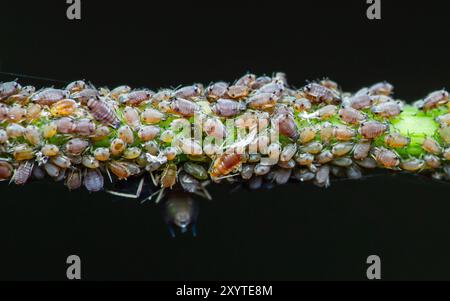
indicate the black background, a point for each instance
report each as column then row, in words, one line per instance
column 294, row 232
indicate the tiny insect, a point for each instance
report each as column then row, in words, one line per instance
column 8, row 89
column 317, row 93
column 381, row 88
column 237, row 92
column 432, row 146
column 83, row 96
column 23, row 172
column 49, row 96
column 396, row 140
column 412, row 164
column 183, row 107
column 387, row 109
column 227, row 108
column 372, row 129
column 103, row 112
column 6, row 170
column 262, row 101
column 386, row 158
column 192, row 92
column 344, row 133
column 435, row 99
column 361, row 150
column 215, row 91
column 136, row 98
column 93, row 180
column 351, row 115
column 360, row 102
column 169, row 176
column 225, row 164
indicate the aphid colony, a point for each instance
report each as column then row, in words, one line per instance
column 80, row 134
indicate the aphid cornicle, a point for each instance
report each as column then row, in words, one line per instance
column 103, row 112
column 372, row 129
column 435, row 99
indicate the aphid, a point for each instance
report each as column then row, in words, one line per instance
column 432, row 146
column 117, row 147
column 23, row 172
column 435, row 99
column 368, row 163
column 17, row 114
column 169, row 176
column 216, row 91
column 260, row 81
column 342, row 162
column 445, row 134
column 101, row 132
column 190, row 147
column 33, row 112
column 48, row 97
column 304, row 175
column 84, row 127
column 131, row 116
column 288, row 152
column 63, row 107
column 386, row 157
column 262, row 170
column 6, row 170
column 3, row 136
column 132, row 153
column 103, row 112
column 290, row 164
column 282, row 175
column 354, row 172
column 152, row 116
column 182, row 211
column 314, row 148
column 246, row 80
column 274, row 152
column 396, row 140
column 307, row 134
column 247, row 171
column 161, row 96
column 381, row 99
column 90, row 162
column 323, row 176
column 324, row 157
column 225, row 164
column 183, row 107
column 351, row 116
column 326, row 112
column 360, row 102
column 65, row 125
column 50, row 150
column 412, row 164
column 74, row 179
column 304, row 159
column 76, row 86
column 62, row 161
column 432, row 161
column 344, row 133
column 32, row 135
column 126, row 134
column 167, row 136
column 151, row 147
column 372, row 129
column 262, row 101
column 381, row 88
column 23, row 96
column 14, row 130
column 38, row 172
column 170, row 153
column 189, row 92
column 387, row 109
column 284, row 122
column 49, row 130
column 195, row 170
column 136, row 98
column 274, row 88
column 102, row 154
column 317, row 93
column 118, row 91
column 84, row 96
column 444, row 120
column 213, row 127
column 23, row 152
column 302, row 105
column 237, row 92
column 326, row 132
column 8, row 89
column 342, row 149
column 93, row 180
column 149, row 132
column 76, row 146
column 226, row 108
column 52, row 170
column 362, row 150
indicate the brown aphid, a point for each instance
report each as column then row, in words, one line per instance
column 381, row 88
column 169, row 176
column 302, row 105
column 17, row 114
column 136, row 98
column 362, row 150
column 226, row 108
column 435, row 99
column 260, row 81
column 372, row 129
column 307, row 134
column 351, row 115
column 103, row 112
column 283, row 120
column 191, row 92
column 49, row 96
column 216, row 91
column 262, row 101
column 386, row 157
column 396, row 140
column 118, row 91
column 152, row 116
column 183, row 107
column 63, row 107
column 237, row 92
column 76, row 146
column 33, row 112
column 23, row 173
column 93, row 180
column 360, row 102
column 304, row 159
column 432, row 146
column 225, row 164
column 84, row 127
column 8, row 89
column 6, row 170
column 432, row 161
column 412, row 164
column 344, row 133
column 323, row 176
column 387, row 109
column 74, row 179
column 317, row 93
column 119, row 169
column 76, row 86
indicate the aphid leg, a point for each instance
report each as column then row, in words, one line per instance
column 129, row 195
